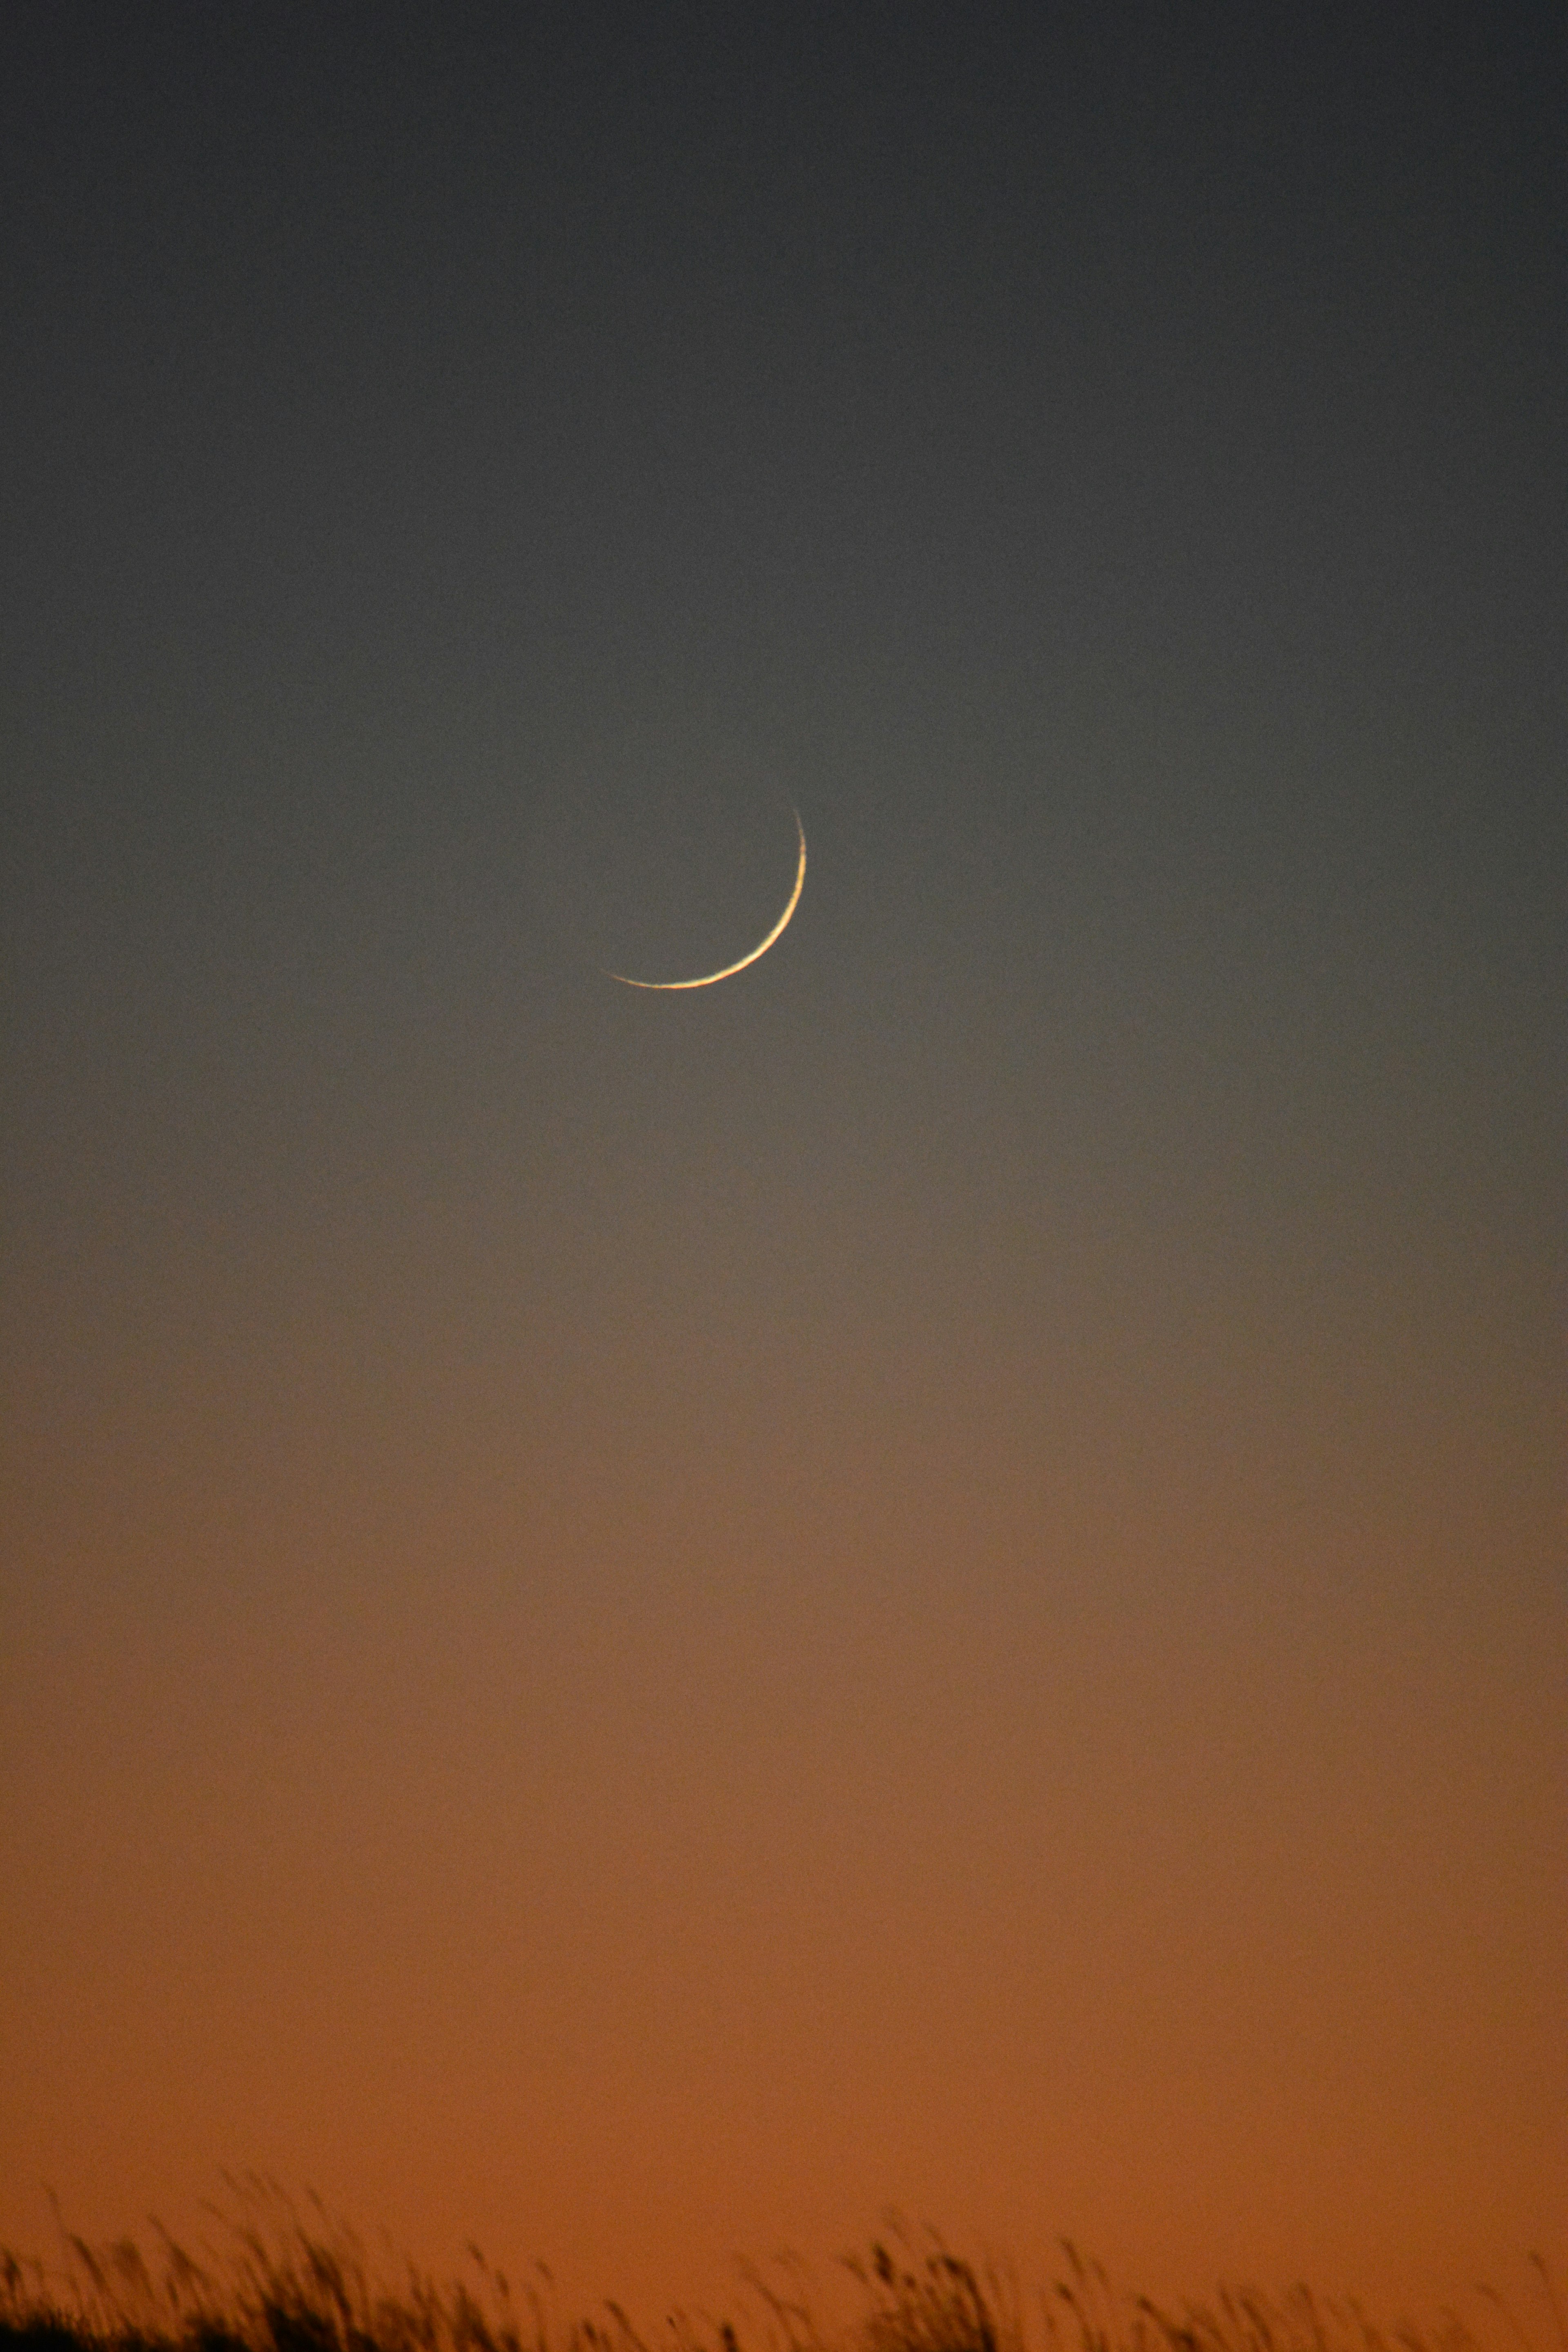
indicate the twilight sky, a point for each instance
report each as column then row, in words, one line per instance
column 637, row 1626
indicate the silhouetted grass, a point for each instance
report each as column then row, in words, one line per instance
column 285, row 2282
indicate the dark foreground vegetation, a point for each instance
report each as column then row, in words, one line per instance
column 286, row 2282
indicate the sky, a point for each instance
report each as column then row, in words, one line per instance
column 641, row 1626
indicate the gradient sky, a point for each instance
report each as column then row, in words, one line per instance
column 641, row 1626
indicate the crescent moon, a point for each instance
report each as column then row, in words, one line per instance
column 730, row 969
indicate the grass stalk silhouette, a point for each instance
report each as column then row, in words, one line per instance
column 284, row 2280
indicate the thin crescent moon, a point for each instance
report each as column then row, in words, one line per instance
column 730, row 969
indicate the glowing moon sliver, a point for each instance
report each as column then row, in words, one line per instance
column 708, row 977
